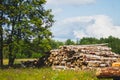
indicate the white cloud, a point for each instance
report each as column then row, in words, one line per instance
column 102, row 27
column 56, row 11
column 86, row 26
column 79, row 34
column 70, row 2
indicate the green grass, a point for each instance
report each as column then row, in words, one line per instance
column 46, row 74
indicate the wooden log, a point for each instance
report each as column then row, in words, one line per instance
column 108, row 72
column 59, row 67
column 116, row 64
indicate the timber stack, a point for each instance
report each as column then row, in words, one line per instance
column 82, row 57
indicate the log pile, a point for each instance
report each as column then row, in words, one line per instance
column 82, row 57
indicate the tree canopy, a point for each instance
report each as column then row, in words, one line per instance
column 23, row 22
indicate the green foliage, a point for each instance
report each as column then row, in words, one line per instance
column 89, row 41
column 113, row 42
column 20, row 56
column 36, row 55
column 55, row 44
column 69, row 42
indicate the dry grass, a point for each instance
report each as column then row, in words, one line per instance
column 5, row 61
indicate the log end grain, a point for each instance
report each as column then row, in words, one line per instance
column 116, row 64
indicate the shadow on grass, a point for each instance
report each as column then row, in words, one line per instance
column 14, row 66
column 18, row 66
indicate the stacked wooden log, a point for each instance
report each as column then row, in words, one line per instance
column 82, row 57
column 108, row 72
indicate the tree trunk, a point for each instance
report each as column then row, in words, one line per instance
column 11, row 60
column 11, row 56
column 1, row 38
column 11, row 46
column 108, row 72
column 1, row 47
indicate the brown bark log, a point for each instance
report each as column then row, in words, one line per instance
column 108, row 72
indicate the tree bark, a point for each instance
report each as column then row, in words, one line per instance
column 1, row 38
column 11, row 46
column 11, row 60
column 1, row 47
column 11, row 56
column 108, row 72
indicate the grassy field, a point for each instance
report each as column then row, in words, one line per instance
column 44, row 74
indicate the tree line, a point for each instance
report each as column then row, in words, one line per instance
column 113, row 42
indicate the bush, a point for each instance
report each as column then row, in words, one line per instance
column 36, row 55
column 20, row 56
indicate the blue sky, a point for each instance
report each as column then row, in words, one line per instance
column 76, row 19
